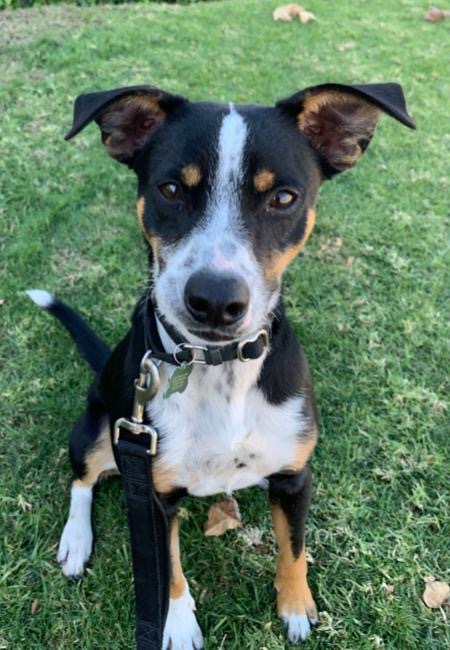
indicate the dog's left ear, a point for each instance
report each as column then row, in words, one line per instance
column 127, row 117
column 339, row 120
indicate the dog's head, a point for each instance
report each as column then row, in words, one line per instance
column 226, row 193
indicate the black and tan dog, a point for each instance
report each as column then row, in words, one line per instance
column 226, row 198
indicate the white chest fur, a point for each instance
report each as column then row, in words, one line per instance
column 221, row 434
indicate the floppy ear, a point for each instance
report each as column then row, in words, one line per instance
column 339, row 120
column 127, row 117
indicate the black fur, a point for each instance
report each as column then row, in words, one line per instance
column 292, row 492
column 89, row 345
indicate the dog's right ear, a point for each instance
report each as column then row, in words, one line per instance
column 127, row 117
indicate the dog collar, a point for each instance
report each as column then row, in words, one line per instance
column 186, row 354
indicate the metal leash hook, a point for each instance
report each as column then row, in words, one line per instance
column 145, row 388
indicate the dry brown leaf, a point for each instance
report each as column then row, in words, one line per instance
column 252, row 536
column 436, row 594
column 343, row 47
column 223, row 516
column 434, row 14
column 286, row 13
column 34, row 606
column 306, row 16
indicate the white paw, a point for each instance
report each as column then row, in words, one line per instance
column 75, row 546
column 299, row 626
column 182, row 631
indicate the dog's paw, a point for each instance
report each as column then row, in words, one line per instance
column 75, row 548
column 299, row 626
column 182, row 631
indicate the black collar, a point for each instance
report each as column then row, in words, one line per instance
column 186, row 353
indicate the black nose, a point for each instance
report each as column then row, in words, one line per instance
column 215, row 299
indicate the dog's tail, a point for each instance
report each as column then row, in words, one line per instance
column 89, row 345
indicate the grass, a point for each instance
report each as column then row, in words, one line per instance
column 368, row 299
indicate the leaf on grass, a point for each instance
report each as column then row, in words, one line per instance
column 223, row 516
column 343, row 47
column 434, row 14
column 252, row 536
column 2, row 301
column 34, row 606
column 286, row 13
column 436, row 593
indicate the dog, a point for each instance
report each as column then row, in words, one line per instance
column 226, row 200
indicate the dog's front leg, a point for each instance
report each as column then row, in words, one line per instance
column 289, row 499
column 181, row 631
column 91, row 456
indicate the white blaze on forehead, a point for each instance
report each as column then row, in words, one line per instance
column 232, row 138
column 219, row 242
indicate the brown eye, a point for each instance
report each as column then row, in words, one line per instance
column 282, row 199
column 170, row 191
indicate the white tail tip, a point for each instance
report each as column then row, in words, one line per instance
column 42, row 298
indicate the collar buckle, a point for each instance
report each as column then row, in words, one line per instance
column 253, row 339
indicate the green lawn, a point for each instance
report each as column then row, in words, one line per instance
column 369, row 299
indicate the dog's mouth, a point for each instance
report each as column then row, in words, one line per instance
column 212, row 335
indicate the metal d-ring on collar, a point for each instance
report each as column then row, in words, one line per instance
column 194, row 348
column 253, row 339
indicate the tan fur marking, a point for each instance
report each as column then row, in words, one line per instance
column 152, row 239
column 293, row 593
column 114, row 122
column 164, row 478
column 177, row 579
column 302, row 454
column 338, row 125
column 140, row 207
column 279, row 262
column 191, row 175
column 99, row 461
column 264, row 180
column 314, row 103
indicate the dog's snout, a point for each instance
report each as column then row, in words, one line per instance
column 216, row 300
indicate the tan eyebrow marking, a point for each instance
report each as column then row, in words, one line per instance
column 264, row 180
column 191, row 175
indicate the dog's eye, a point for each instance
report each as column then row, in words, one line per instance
column 171, row 191
column 282, row 199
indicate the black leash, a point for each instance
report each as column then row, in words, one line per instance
column 136, row 444
column 149, row 538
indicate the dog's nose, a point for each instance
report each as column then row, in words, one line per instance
column 216, row 300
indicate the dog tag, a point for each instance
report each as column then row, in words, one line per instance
column 178, row 380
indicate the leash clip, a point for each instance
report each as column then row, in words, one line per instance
column 136, row 429
column 145, row 388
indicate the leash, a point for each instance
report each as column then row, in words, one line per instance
column 136, row 445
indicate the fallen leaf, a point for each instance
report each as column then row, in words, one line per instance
column 350, row 260
column 345, row 46
column 2, row 301
column 223, row 516
column 23, row 505
column 286, row 13
column 434, row 14
column 34, row 606
column 306, row 16
column 436, row 594
column 252, row 536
